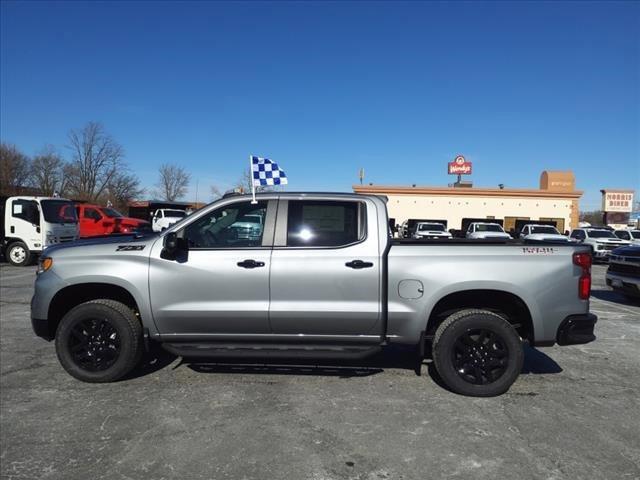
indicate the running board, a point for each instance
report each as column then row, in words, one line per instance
column 265, row 350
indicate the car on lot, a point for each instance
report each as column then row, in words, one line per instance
column 96, row 221
column 163, row 218
column 601, row 240
column 431, row 230
column 623, row 274
column 630, row 234
column 481, row 230
column 543, row 233
column 319, row 278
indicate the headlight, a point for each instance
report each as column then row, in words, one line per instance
column 44, row 264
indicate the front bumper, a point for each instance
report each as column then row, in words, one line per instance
column 624, row 284
column 602, row 254
column 577, row 329
column 43, row 329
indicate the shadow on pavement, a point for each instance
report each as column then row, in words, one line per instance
column 615, row 297
column 156, row 359
column 402, row 357
column 537, row 362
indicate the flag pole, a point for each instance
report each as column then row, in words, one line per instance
column 253, row 185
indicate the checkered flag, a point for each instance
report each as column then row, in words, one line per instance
column 266, row 172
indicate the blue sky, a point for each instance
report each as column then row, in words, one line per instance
column 326, row 88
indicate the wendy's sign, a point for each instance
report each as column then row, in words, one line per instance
column 459, row 166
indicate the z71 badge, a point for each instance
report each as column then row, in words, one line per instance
column 129, row 248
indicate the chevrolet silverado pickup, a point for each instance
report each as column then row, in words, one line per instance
column 318, row 276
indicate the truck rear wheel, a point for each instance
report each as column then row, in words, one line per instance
column 477, row 353
column 18, row 254
column 99, row 341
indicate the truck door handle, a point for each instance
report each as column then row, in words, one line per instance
column 358, row 264
column 250, row 264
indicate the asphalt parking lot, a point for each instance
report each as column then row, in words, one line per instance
column 573, row 414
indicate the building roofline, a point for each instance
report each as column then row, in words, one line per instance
column 471, row 191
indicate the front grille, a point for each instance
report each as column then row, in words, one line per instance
column 609, row 247
column 66, row 239
column 624, row 269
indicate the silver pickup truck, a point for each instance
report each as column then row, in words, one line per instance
column 323, row 279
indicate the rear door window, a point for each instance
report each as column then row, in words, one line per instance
column 322, row 223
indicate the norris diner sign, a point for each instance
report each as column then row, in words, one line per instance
column 459, row 166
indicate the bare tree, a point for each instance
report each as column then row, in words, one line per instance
column 14, row 170
column 47, row 172
column 173, row 182
column 215, row 192
column 122, row 188
column 96, row 159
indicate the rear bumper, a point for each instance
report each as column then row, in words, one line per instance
column 577, row 329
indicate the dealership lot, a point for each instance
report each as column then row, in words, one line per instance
column 572, row 414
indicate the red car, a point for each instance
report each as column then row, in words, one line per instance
column 95, row 221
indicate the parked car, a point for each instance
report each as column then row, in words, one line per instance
column 601, row 240
column 323, row 280
column 96, row 221
column 431, row 230
column 623, row 274
column 479, row 230
column 163, row 218
column 629, row 234
column 544, row 233
column 30, row 224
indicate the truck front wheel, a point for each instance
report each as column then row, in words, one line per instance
column 18, row 254
column 99, row 341
column 477, row 353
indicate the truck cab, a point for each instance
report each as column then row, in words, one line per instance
column 163, row 218
column 30, row 224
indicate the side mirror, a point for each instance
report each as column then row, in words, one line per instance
column 171, row 242
column 172, row 245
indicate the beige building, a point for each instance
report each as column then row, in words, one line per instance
column 555, row 200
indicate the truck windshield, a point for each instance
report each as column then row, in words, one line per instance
column 488, row 228
column 600, row 234
column 112, row 213
column 175, row 213
column 545, row 230
column 59, row 211
column 635, row 234
column 437, row 227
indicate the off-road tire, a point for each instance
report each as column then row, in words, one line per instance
column 120, row 320
column 447, row 353
column 12, row 254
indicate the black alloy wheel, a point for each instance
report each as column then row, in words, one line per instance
column 94, row 344
column 480, row 356
column 99, row 341
column 477, row 352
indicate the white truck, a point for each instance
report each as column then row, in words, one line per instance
column 29, row 224
column 543, row 233
column 493, row 231
column 163, row 218
column 428, row 230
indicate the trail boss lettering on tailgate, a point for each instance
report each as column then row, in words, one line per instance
column 539, row 250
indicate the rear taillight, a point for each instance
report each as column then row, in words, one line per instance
column 584, row 261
